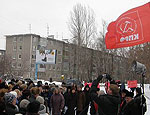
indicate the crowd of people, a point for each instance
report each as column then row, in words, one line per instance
column 19, row 97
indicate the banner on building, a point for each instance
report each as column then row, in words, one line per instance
column 46, row 56
column 131, row 28
column 132, row 84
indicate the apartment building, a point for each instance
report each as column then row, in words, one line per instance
column 72, row 61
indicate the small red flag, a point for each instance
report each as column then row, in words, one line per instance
column 131, row 28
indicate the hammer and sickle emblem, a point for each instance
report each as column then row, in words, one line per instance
column 126, row 27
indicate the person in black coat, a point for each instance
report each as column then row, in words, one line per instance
column 141, row 101
column 71, row 102
column 87, row 99
column 108, row 103
column 131, row 107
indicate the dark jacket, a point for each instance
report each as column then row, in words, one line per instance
column 141, row 102
column 87, row 99
column 131, row 109
column 11, row 109
column 108, row 104
column 71, row 103
column 80, row 100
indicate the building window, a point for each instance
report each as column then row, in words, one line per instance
column 14, row 47
column 34, row 48
column 32, row 65
column 58, row 68
column 19, row 65
column 15, row 39
column 14, row 56
column 42, row 66
column 21, row 39
column 53, row 67
column 20, row 47
column 33, row 56
column 13, row 65
column 19, row 56
column 59, row 52
column 34, row 39
column 59, row 60
column 50, row 67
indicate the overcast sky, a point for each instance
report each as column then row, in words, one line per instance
column 17, row 15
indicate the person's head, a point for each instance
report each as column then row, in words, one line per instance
column 113, row 89
column 40, row 99
column 24, row 103
column 19, row 83
column 56, row 90
column 123, row 93
column 138, row 91
column 101, row 92
column 26, row 93
column 129, row 96
column 79, row 88
column 33, row 107
column 10, row 98
column 73, row 90
column 18, row 93
column 87, row 88
column 35, row 91
column 23, row 87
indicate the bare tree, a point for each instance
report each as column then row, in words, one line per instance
column 6, row 66
column 82, row 25
column 83, row 29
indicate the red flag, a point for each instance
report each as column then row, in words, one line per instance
column 131, row 28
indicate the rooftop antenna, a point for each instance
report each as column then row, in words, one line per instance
column 30, row 28
column 47, row 30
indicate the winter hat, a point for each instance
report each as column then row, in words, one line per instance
column 129, row 94
column 9, row 97
column 14, row 93
column 40, row 99
column 24, row 103
column 33, row 107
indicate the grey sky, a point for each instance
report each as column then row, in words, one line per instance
column 16, row 15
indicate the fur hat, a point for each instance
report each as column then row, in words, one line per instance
column 24, row 103
column 40, row 99
column 9, row 97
